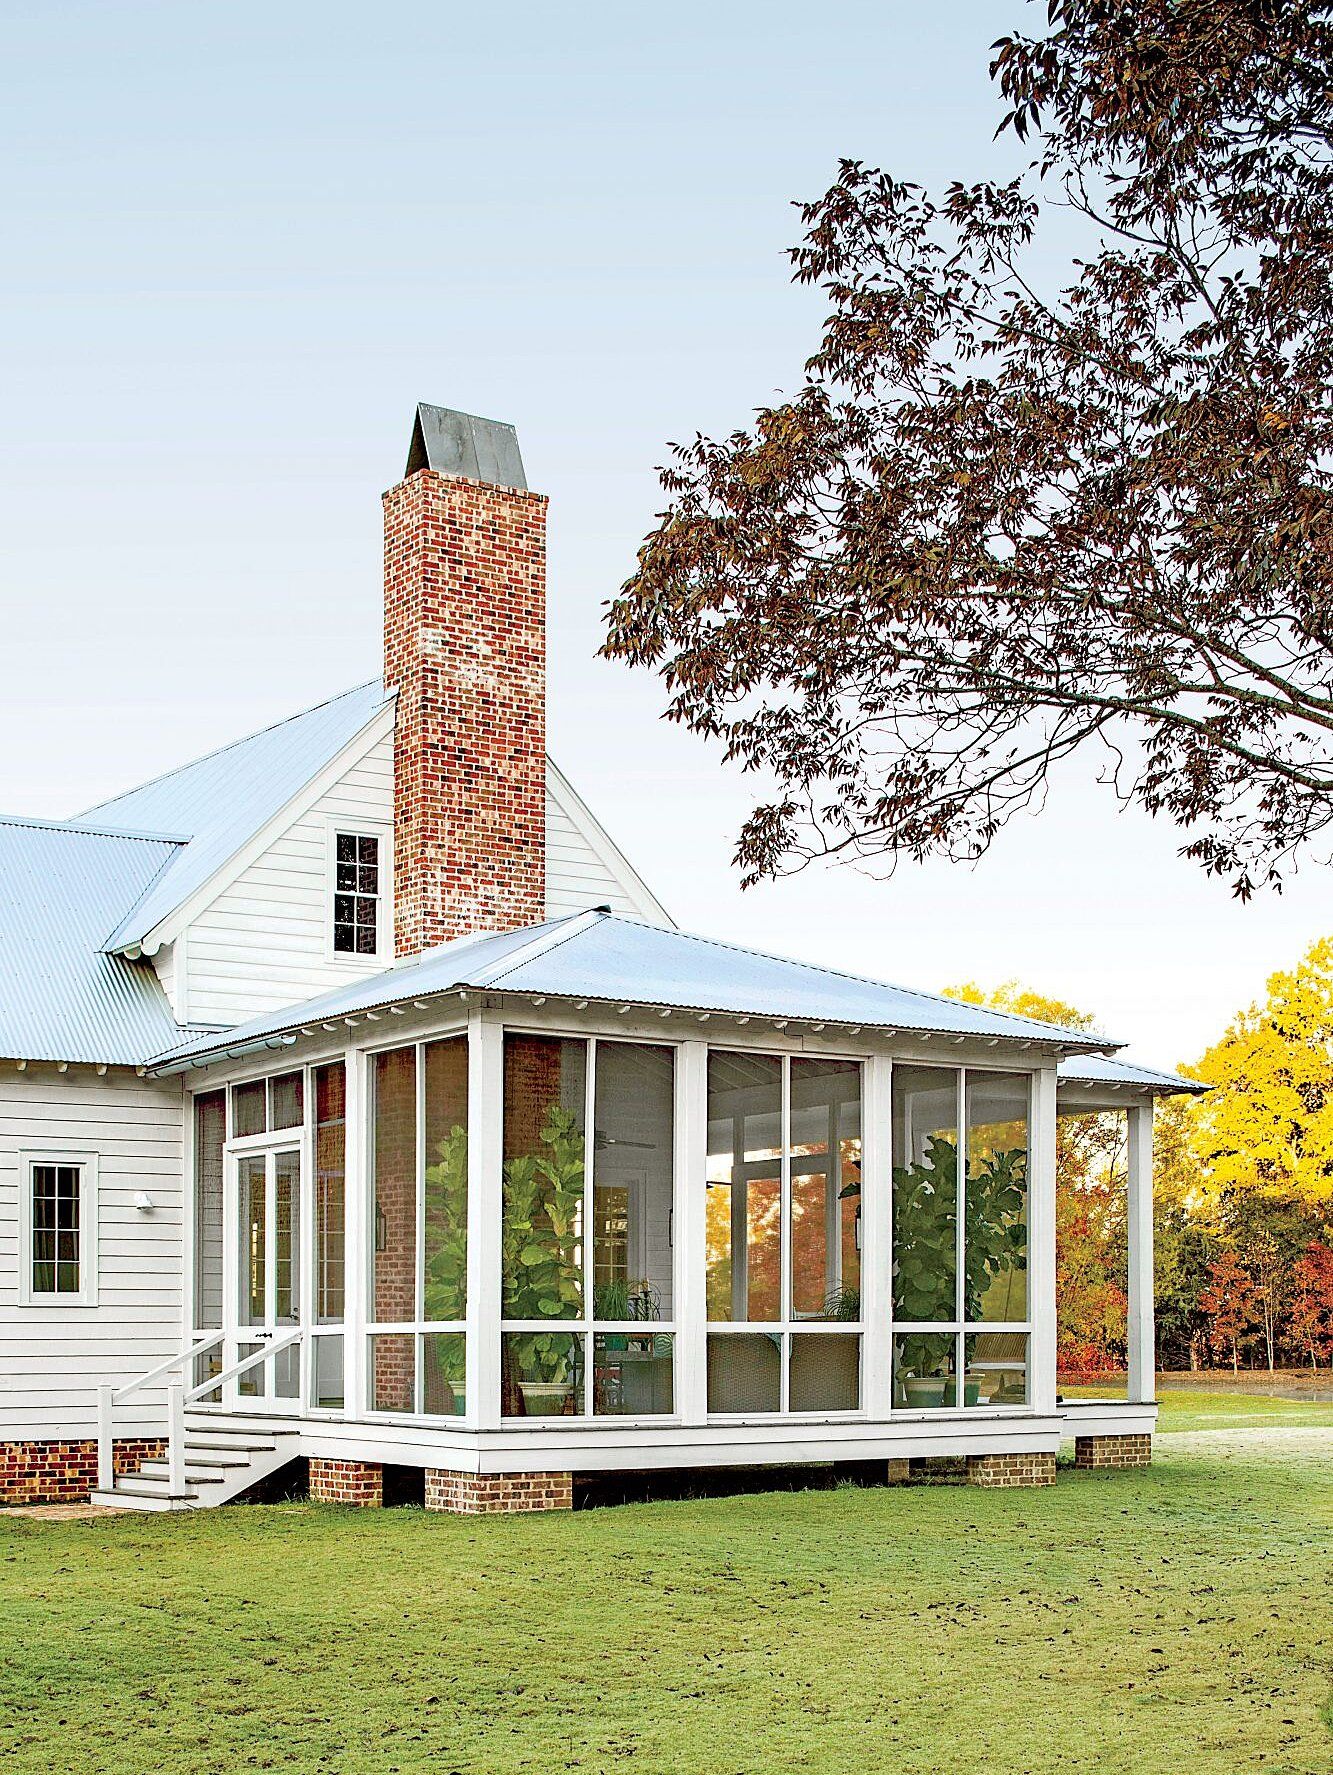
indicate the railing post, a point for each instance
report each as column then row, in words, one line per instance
column 106, row 1447
column 176, row 1438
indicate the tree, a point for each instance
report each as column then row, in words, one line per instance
column 1311, row 1324
column 1003, row 520
column 1267, row 1124
column 1229, row 1302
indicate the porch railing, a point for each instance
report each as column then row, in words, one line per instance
column 179, row 1395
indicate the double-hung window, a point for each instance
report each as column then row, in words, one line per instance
column 58, row 1256
column 358, row 892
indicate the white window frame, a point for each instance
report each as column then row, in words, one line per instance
column 87, row 1164
column 384, row 906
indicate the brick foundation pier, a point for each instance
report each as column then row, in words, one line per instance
column 497, row 1494
column 1113, row 1451
column 346, row 1482
column 1011, row 1469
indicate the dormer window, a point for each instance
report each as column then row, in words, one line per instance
column 357, row 889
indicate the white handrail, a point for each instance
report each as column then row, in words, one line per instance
column 214, row 1381
column 108, row 1398
column 121, row 1394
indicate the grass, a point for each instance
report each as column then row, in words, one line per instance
column 1173, row 1617
column 1196, row 1408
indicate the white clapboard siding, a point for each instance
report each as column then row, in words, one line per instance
column 52, row 1359
column 264, row 941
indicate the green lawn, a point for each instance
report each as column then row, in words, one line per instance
column 1195, row 1408
column 1179, row 1617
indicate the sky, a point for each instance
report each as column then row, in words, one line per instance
column 241, row 242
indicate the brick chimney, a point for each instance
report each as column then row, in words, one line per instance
column 465, row 647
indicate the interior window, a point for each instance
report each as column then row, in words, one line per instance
column 356, row 893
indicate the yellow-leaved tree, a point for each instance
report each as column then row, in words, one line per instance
column 1267, row 1124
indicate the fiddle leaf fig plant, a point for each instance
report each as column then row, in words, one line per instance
column 445, row 1280
column 541, row 1257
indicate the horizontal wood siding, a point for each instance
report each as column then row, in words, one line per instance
column 576, row 877
column 263, row 943
column 52, row 1359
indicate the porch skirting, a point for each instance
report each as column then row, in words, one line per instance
column 65, row 1472
column 497, row 1494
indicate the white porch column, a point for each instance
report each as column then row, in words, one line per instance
column 877, row 1238
column 485, row 1188
column 691, row 1232
column 1041, row 1241
column 360, row 1211
column 1141, row 1335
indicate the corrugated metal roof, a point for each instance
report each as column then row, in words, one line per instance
column 219, row 802
column 597, row 956
column 1094, row 1069
column 61, row 890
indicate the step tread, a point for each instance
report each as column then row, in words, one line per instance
column 121, row 1489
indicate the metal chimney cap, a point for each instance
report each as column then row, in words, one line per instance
column 462, row 444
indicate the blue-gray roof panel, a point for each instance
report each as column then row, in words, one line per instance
column 61, row 889
column 1097, row 1069
column 219, row 802
column 614, row 960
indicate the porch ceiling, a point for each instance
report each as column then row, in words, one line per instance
column 599, row 958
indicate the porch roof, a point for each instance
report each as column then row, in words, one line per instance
column 598, row 957
column 1093, row 1070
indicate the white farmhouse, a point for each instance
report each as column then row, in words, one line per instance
column 361, row 1106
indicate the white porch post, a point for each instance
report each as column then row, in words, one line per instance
column 877, row 1238
column 485, row 1187
column 1041, row 1241
column 691, row 1232
column 1141, row 1334
column 357, row 1256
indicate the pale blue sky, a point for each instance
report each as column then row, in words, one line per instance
column 241, row 243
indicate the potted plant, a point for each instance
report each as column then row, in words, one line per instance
column 540, row 1254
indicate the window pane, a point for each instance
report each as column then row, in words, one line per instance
column 394, row 1143
column 345, row 880
column 393, row 1371
column 210, row 1130
column 995, row 1202
column 330, row 1196
column 286, row 1237
column 367, row 878
column 346, row 843
column 253, row 1242
column 745, row 1371
column 248, row 1109
column 923, row 1365
column 632, row 1375
column 445, row 1253
column 825, row 1372
column 366, row 942
column 368, row 850
column 443, row 1362
column 744, row 1208
column 286, row 1100
column 825, row 1189
column 997, row 1368
column 544, row 1088
column 328, row 1373
column 541, row 1374
column 633, row 1170
column 925, row 1192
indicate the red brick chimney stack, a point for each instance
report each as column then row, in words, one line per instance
column 465, row 648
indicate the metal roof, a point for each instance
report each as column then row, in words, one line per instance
column 1095, row 1069
column 61, row 999
column 220, row 801
column 462, row 444
column 597, row 956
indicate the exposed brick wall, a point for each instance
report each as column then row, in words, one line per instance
column 465, row 646
column 65, row 1472
column 497, row 1494
column 346, row 1482
column 1113, row 1451
column 1011, row 1469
